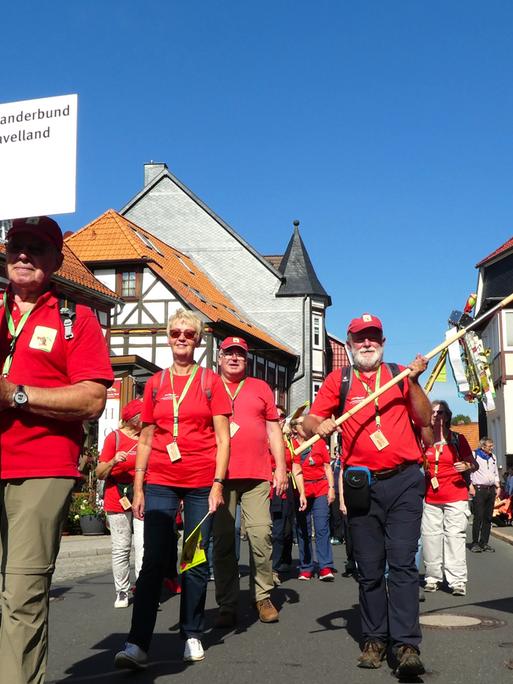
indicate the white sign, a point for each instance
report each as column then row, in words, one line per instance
column 38, row 157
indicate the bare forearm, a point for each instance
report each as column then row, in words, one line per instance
column 142, row 455
column 420, row 405
column 222, row 430
column 82, row 401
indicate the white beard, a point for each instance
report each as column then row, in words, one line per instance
column 366, row 360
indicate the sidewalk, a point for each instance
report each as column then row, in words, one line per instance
column 80, row 545
column 503, row 533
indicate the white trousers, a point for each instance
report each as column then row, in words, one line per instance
column 444, row 535
column 121, row 536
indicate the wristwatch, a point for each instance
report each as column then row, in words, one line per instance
column 20, row 398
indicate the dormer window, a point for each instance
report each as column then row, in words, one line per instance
column 129, row 283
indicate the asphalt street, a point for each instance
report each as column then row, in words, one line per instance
column 316, row 639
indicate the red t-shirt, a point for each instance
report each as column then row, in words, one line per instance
column 32, row 445
column 451, row 485
column 312, row 464
column 250, row 456
column 196, row 436
column 357, row 446
column 121, row 473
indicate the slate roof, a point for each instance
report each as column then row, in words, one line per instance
column 500, row 250
column 112, row 238
column 300, row 276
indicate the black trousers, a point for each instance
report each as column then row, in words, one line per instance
column 483, row 512
column 389, row 533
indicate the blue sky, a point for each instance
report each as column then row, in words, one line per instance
column 386, row 128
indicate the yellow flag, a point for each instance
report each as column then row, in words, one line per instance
column 442, row 375
column 192, row 553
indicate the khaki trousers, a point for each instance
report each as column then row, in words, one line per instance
column 32, row 513
column 256, row 516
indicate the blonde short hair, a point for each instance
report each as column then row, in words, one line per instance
column 187, row 316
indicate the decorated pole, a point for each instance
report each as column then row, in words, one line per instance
column 403, row 374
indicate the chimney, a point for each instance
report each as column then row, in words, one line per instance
column 152, row 169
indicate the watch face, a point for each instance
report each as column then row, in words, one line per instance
column 20, row 398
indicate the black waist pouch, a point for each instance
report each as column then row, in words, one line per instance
column 357, row 480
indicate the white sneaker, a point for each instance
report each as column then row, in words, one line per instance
column 121, row 600
column 431, row 586
column 131, row 657
column 193, row 650
column 459, row 590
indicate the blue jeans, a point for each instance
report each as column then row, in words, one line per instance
column 318, row 509
column 161, row 504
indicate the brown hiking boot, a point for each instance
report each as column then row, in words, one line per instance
column 225, row 619
column 409, row 663
column 266, row 611
column 372, row 654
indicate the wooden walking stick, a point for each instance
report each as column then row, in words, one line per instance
column 403, row 374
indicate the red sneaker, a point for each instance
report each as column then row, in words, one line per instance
column 305, row 575
column 326, row 575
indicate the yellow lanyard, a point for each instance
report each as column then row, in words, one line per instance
column 14, row 332
column 369, row 392
column 235, row 394
column 439, row 447
column 177, row 402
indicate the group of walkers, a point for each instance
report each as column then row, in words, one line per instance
column 213, row 442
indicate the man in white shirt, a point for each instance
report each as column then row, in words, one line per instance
column 487, row 485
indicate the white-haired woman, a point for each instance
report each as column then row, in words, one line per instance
column 183, row 454
column 446, row 511
column 116, row 466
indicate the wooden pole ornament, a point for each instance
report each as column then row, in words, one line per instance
column 403, row 374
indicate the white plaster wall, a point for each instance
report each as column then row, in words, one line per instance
column 107, row 276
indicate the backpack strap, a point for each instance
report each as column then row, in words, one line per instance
column 160, row 383
column 345, row 384
column 394, row 371
column 67, row 312
column 206, row 382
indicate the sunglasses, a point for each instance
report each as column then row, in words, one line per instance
column 237, row 353
column 36, row 249
column 188, row 334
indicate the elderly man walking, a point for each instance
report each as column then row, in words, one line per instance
column 254, row 430
column 51, row 381
column 383, row 489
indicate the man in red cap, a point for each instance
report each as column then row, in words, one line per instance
column 383, row 489
column 51, row 382
column 254, row 430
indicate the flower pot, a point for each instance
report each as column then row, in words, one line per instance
column 92, row 524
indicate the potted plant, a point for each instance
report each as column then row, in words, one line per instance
column 86, row 506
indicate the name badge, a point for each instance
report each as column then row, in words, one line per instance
column 125, row 503
column 434, row 482
column 43, row 338
column 233, row 429
column 379, row 440
column 174, row 452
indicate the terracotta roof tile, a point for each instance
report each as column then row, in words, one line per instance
column 470, row 431
column 503, row 248
column 113, row 238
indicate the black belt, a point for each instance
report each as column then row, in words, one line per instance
column 390, row 472
column 484, row 486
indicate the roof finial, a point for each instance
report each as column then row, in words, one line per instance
column 295, row 223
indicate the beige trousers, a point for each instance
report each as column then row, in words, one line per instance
column 255, row 513
column 32, row 513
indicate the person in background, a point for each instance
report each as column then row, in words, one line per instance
column 336, row 515
column 51, row 382
column 487, row 485
column 446, row 510
column 313, row 467
column 182, row 454
column 116, row 466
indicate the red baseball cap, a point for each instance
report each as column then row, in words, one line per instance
column 364, row 322
column 234, row 342
column 131, row 409
column 40, row 226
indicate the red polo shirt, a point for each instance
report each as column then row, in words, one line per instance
column 312, row 465
column 196, row 436
column 357, row 446
column 32, row 445
column 254, row 405
column 451, row 485
column 121, row 473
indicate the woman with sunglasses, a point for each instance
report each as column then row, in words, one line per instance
column 449, row 462
column 183, row 454
column 116, row 466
